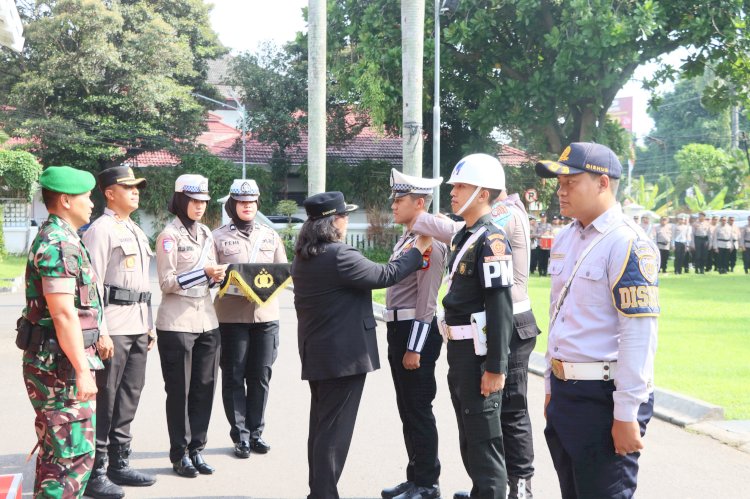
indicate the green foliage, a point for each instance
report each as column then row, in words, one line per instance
column 548, row 69
column 286, row 207
column 19, row 172
column 697, row 201
column 649, row 197
column 100, row 81
column 273, row 83
column 220, row 174
column 709, row 168
column 366, row 184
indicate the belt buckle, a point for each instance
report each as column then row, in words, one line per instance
column 558, row 370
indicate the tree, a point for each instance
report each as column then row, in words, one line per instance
column 710, row 169
column 548, row 69
column 680, row 118
column 649, row 197
column 100, row 81
column 273, row 85
column 19, row 172
column 697, row 202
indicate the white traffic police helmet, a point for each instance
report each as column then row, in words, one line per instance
column 480, row 170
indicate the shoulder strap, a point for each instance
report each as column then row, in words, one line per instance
column 566, row 287
column 474, row 237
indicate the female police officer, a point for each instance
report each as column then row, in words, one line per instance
column 186, row 326
column 249, row 331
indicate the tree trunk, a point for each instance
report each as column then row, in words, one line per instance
column 316, row 98
column 412, row 55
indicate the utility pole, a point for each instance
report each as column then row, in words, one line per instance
column 735, row 110
column 243, row 116
column 316, row 97
column 412, row 55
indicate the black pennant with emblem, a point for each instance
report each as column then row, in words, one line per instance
column 258, row 282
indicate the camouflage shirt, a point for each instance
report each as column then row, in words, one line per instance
column 59, row 263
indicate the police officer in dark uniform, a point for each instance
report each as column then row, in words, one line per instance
column 478, row 323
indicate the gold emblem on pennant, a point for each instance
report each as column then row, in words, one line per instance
column 263, row 280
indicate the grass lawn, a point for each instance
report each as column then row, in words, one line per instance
column 704, row 336
column 12, row 266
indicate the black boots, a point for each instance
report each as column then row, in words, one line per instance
column 99, row 486
column 120, row 472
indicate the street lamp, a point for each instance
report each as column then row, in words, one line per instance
column 243, row 115
column 446, row 7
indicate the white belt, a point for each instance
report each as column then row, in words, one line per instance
column 584, row 371
column 399, row 314
column 196, row 292
column 522, row 306
column 460, row 332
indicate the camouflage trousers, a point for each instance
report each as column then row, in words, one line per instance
column 65, row 430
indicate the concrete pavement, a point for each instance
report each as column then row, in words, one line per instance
column 675, row 464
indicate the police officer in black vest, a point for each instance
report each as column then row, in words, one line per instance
column 478, row 323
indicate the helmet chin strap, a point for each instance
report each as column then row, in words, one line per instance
column 469, row 201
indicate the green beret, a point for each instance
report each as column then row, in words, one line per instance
column 67, row 180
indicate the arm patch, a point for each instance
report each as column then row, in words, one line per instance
column 636, row 291
column 496, row 263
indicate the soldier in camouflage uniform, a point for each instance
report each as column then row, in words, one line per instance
column 60, row 353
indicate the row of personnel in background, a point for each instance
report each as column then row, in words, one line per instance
column 711, row 244
column 594, row 422
column 603, row 328
column 88, row 310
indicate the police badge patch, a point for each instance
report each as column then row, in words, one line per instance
column 636, row 291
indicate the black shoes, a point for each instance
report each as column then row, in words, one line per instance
column 184, row 467
column 519, row 488
column 99, row 486
column 120, row 472
column 397, row 490
column 421, row 493
column 201, row 465
column 259, row 445
column 461, row 495
column 242, row 449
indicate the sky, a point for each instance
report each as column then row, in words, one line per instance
column 243, row 24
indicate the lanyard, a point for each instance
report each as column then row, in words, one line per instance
column 466, row 246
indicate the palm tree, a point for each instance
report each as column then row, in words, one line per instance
column 412, row 54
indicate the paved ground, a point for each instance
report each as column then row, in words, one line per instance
column 675, row 464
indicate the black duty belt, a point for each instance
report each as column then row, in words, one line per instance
column 124, row 296
column 724, row 240
column 36, row 338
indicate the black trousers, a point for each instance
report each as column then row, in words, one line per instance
column 746, row 259
column 479, row 425
column 415, row 391
column 701, row 253
column 723, row 260
column 189, row 365
column 579, row 437
column 732, row 259
column 518, row 443
column 119, row 387
column 679, row 258
column 248, row 352
column 534, row 261
column 664, row 257
column 333, row 411
column 543, row 261
column 711, row 260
